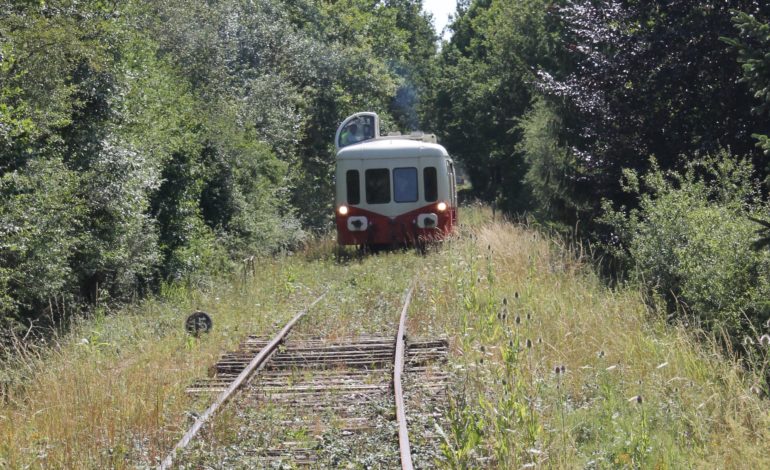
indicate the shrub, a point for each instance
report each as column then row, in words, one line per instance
column 118, row 251
column 39, row 211
column 691, row 241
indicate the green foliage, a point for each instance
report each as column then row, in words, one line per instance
column 156, row 141
column 485, row 83
column 623, row 80
column 552, row 168
column 39, row 229
column 118, row 250
column 752, row 46
column 690, row 241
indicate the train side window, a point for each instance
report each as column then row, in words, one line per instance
column 430, row 183
column 377, row 186
column 405, row 184
column 353, row 186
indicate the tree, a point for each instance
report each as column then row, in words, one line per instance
column 486, row 85
column 156, row 140
column 753, row 47
column 650, row 78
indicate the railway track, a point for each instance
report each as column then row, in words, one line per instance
column 318, row 402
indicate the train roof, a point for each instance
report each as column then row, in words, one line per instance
column 391, row 147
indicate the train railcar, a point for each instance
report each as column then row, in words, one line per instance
column 393, row 189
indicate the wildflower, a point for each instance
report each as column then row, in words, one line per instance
column 764, row 340
column 540, row 341
column 563, row 369
column 529, row 316
column 505, row 300
column 747, row 341
column 600, row 354
column 529, row 343
column 515, row 295
column 518, row 319
column 637, row 399
column 557, row 370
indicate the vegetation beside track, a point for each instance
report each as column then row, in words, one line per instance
column 634, row 391
column 630, row 391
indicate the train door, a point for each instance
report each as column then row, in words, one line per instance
column 450, row 167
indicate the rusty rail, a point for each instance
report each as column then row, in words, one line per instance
column 256, row 363
column 313, row 385
column 398, row 369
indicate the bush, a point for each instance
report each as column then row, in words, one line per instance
column 691, row 241
column 118, row 252
column 39, row 211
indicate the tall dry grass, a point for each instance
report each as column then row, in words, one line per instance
column 635, row 391
column 110, row 393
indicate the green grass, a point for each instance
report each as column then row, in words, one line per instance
column 111, row 392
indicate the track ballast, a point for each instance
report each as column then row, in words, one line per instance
column 326, row 402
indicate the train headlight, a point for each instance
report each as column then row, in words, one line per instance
column 343, row 210
column 441, row 206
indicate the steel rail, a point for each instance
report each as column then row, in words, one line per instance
column 255, row 364
column 403, row 432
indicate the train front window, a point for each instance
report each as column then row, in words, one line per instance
column 357, row 130
column 354, row 187
column 430, row 183
column 377, row 186
column 405, row 184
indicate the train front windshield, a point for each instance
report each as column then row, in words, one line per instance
column 357, row 130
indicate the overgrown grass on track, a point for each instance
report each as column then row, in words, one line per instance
column 634, row 391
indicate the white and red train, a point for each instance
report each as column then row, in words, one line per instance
column 394, row 189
